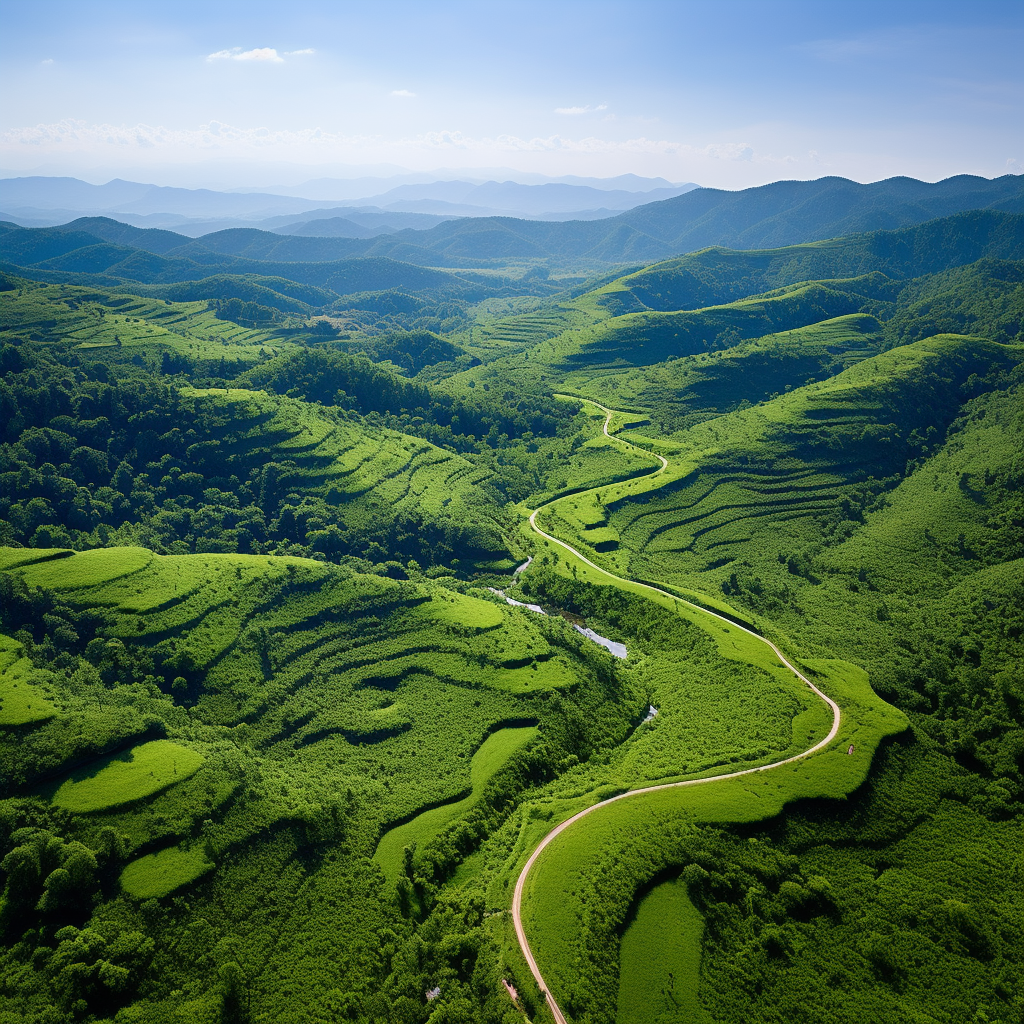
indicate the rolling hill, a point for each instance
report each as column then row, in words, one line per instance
column 780, row 214
column 312, row 629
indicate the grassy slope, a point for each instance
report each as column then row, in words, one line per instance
column 22, row 700
column 340, row 459
column 365, row 702
column 681, row 391
column 602, row 863
column 659, row 976
column 493, row 754
column 752, row 473
column 98, row 318
column 142, row 772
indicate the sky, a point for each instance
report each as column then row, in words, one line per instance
column 730, row 93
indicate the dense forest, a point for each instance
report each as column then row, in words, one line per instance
column 276, row 745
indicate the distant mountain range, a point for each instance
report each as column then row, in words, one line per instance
column 42, row 201
column 100, row 250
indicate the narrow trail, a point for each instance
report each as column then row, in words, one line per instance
column 517, row 897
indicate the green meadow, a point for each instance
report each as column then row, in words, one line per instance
column 659, row 959
column 22, row 699
column 141, row 772
column 160, row 874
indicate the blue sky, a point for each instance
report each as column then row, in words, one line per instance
column 731, row 93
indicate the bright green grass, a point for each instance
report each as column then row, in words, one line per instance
column 494, row 752
column 98, row 318
column 646, row 338
column 159, row 874
column 11, row 558
column 659, row 960
column 343, row 460
column 21, row 701
column 714, row 382
column 560, row 887
column 935, row 523
column 141, row 772
column 463, row 610
column 751, row 481
column 87, row 568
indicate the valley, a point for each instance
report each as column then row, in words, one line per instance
column 275, row 744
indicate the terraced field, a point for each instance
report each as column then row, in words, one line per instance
column 573, row 859
column 680, row 392
column 358, row 677
column 499, row 331
column 643, row 339
column 338, row 457
column 759, row 478
column 126, row 325
column 295, row 450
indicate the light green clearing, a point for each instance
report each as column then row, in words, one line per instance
column 20, row 701
column 659, row 960
column 158, row 874
column 493, row 753
column 87, row 568
column 10, row 558
column 463, row 610
column 141, row 772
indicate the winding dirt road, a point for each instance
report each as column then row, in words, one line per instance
column 517, row 897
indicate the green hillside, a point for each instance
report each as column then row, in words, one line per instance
column 714, row 276
column 325, row 599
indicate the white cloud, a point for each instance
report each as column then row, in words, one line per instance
column 81, row 136
column 404, row 93
column 727, row 151
column 299, row 53
column 553, row 143
column 575, row 111
column 263, row 53
column 49, row 60
column 214, row 141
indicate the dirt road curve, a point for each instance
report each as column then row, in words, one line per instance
column 517, row 897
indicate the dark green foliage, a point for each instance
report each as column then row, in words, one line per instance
column 129, row 465
column 411, row 351
column 843, row 422
column 985, row 298
column 715, row 276
column 334, row 378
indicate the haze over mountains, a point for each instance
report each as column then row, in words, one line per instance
column 783, row 213
column 44, row 201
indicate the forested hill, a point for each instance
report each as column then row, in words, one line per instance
column 782, row 213
column 277, row 735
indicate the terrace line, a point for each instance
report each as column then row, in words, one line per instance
column 517, row 898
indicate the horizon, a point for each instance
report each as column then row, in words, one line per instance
column 729, row 96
